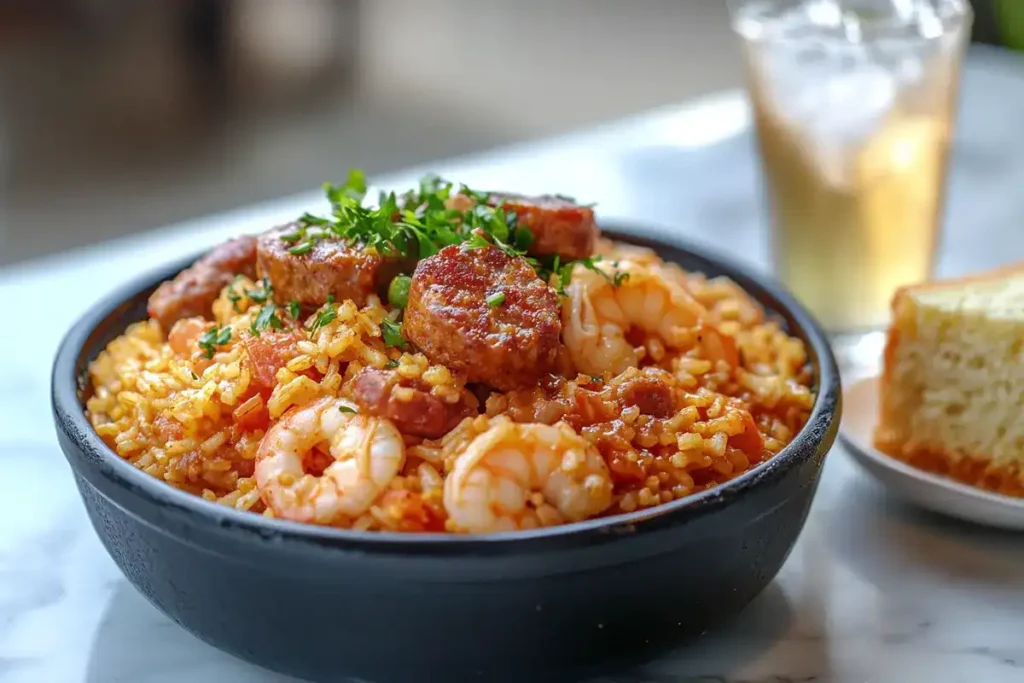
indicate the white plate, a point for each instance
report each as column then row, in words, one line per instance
column 938, row 494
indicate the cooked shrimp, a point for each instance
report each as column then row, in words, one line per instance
column 597, row 314
column 367, row 453
column 518, row 476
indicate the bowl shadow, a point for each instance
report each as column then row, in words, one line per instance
column 722, row 653
column 878, row 536
column 135, row 641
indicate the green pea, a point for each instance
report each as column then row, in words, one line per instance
column 398, row 291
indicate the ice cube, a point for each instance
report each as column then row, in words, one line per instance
column 834, row 109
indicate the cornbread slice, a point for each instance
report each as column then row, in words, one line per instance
column 952, row 389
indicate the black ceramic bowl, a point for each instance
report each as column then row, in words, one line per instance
column 326, row 603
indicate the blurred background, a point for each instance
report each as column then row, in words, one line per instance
column 119, row 116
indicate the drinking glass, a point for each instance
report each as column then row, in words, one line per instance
column 853, row 104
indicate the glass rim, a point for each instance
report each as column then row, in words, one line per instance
column 955, row 16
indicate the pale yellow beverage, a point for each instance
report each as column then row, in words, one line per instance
column 843, row 245
column 854, row 142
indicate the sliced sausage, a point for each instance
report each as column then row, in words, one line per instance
column 330, row 267
column 485, row 314
column 193, row 291
column 408, row 403
column 559, row 226
column 652, row 395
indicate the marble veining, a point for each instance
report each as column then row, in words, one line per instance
column 873, row 592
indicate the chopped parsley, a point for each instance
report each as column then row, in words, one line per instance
column 292, row 237
column 548, row 268
column 294, row 310
column 496, row 299
column 391, row 364
column 261, row 294
column 323, row 317
column 354, row 188
column 346, row 409
column 194, row 375
column 563, row 271
column 476, row 240
column 596, row 380
column 564, row 274
column 233, row 296
column 392, row 333
column 421, row 222
column 212, row 338
column 418, row 225
column 617, row 279
column 266, row 319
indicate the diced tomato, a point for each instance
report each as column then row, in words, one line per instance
column 245, row 468
column 625, row 470
column 749, row 440
column 268, row 353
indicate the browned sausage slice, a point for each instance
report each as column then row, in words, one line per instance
column 193, row 291
column 485, row 314
column 650, row 393
column 559, row 226
column 330, row 267
column 409, row 404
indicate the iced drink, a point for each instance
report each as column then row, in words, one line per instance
column 853, row 104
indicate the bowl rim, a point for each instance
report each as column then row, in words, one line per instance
column 821, row 425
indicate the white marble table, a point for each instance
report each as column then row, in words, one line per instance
column 874, row 592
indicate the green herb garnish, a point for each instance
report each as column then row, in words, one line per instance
column 212, row 338
column 354, row 188
column 392, row 333
column 233, row 296
column 262, row 294
column 345, row 409
column 616, row 279
column 194, row 375
column 266, row 319
column 419, row 225
column 563, row 273
column 391, row 364
column 421, row 222
column 323, row 317
column 294, row 310
column 496, row 299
